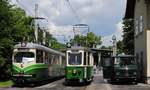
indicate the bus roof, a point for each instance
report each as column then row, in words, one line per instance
column 123, row 56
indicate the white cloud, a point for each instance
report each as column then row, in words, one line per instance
column 60, row 32
column 107, row 40
column 95, row 13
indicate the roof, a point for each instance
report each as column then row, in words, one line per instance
column 101, row 50
column 38, row 46
column 80, row 48
column 130, row 6
column 124, row 56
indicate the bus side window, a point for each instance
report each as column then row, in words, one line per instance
column 39, row 56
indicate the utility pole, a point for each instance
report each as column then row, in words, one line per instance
column 36, row 24
column 114, row 45
column 44, row 36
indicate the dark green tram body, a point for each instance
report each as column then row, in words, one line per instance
column 121, row 68
column 31, row 66
column 79, row 65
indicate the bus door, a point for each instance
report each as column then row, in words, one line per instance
column 107, row 67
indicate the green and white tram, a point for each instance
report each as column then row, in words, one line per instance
column 33, row 62
column 79, row 65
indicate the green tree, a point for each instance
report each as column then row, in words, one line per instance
column 90, row 40
column 119, row 47
column 107, row 47
column 14, row 25
column 5, row 39
column 93, row 40
column 128, row 36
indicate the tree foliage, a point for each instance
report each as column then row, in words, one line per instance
column 90, row 40
column 120, row 47
column 127, row 44
column 15, row 25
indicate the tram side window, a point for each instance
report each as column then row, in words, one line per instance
column 39, row 56
column 56, row 59
column 88, row 58
column 63, row 60
column 84, row 58
column 46, row 57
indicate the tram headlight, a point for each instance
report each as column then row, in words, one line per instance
column 74, row 71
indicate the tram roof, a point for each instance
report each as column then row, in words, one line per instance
column 101, row 50
column 38, row 46
column 80, row 48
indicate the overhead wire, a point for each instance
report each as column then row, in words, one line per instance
column 73, row 10
column 21, row 5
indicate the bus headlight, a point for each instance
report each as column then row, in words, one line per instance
column 134, row 73
column 117, row 73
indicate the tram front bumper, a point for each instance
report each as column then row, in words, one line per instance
column 18, row 78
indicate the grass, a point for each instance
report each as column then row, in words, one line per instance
column 6, row 83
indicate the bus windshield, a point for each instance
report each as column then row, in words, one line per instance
column 125, row 61
column 74, row 58
column 20, row 57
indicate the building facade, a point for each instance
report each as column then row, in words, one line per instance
column 139, row 10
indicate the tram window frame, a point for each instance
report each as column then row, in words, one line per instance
column 39, row 56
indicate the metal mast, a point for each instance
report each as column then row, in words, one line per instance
column 114, row 45
column 35, row 24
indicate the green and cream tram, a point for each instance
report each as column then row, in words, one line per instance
column 33, row 62
column 79, row 65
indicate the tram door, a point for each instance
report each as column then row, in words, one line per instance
column 107, row 67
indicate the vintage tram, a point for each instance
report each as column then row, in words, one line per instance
column 121, row 68
column 79, row 65
column 33, row 62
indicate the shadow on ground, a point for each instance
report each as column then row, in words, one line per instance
column 122, row 83
column 35, row 84
column 74, row 84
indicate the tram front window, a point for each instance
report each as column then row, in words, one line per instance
column 125, row 61
column 74, row 58
column 20, row 57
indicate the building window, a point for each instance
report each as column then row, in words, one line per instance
column 136, row 27
column 141, row 24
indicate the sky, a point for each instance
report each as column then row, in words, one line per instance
column 104, row 17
